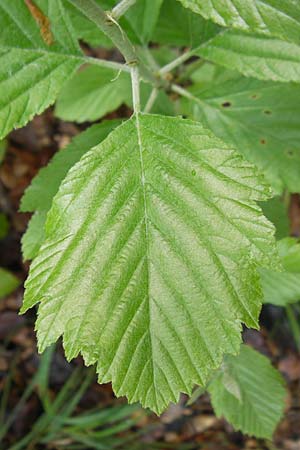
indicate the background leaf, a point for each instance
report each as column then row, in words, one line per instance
column 255, row 56
column 8, row 282
column 281, row 288
column 259, row 118
column 31, row 71
column 164, row 214
column 92, row 93
column 261, row 403
column 279, row 18
column 179, row 26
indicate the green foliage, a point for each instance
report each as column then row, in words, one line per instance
column 255, row 56
column 34, row 236
column 139, row 208
column 262, row 119
column 249, row 393
column 279, row 18
column 92, row 93
column 276, row 211
column 38, row 197
column 281, row 288
column 154, row 251
column 31, row 71
column 8, row 282
column 179, row 26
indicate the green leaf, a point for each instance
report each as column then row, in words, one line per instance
column 92, row 93
column 261, row 387
column 31, row 71
column 150, row 261
column 39, row 195
column 259, row 118
column 87, row 30
column 254, row 56
column 282, row 288
column 34, row 235
column 277, row 212
column 8, row 282
column 143, row 16
column 279, row 18
column 179, row 26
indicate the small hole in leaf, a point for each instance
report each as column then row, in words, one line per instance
column 226, row 104
column 254, row 96
column 263, row 141
column 268, row 112
column 193, row 172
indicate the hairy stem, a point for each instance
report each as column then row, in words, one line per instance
column 121, row 8
column 108, row 64
column 106, row 22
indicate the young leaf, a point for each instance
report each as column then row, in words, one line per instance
column 92, row 93
column 259, row 118
column 260, row 403
column 31, row 71
column 150, row 261
column 254, row 56
column 279, row 18
column 281, row 288
column 8, row 282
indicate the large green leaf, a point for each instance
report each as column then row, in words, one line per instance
column 255, row 56
column 262, row 119
column 150, row 261
column 31, row 71
column 39, row 195
column 281, row 288
column 279, row 18
column 249, row 393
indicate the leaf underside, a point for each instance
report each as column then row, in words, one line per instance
column 149, row 266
